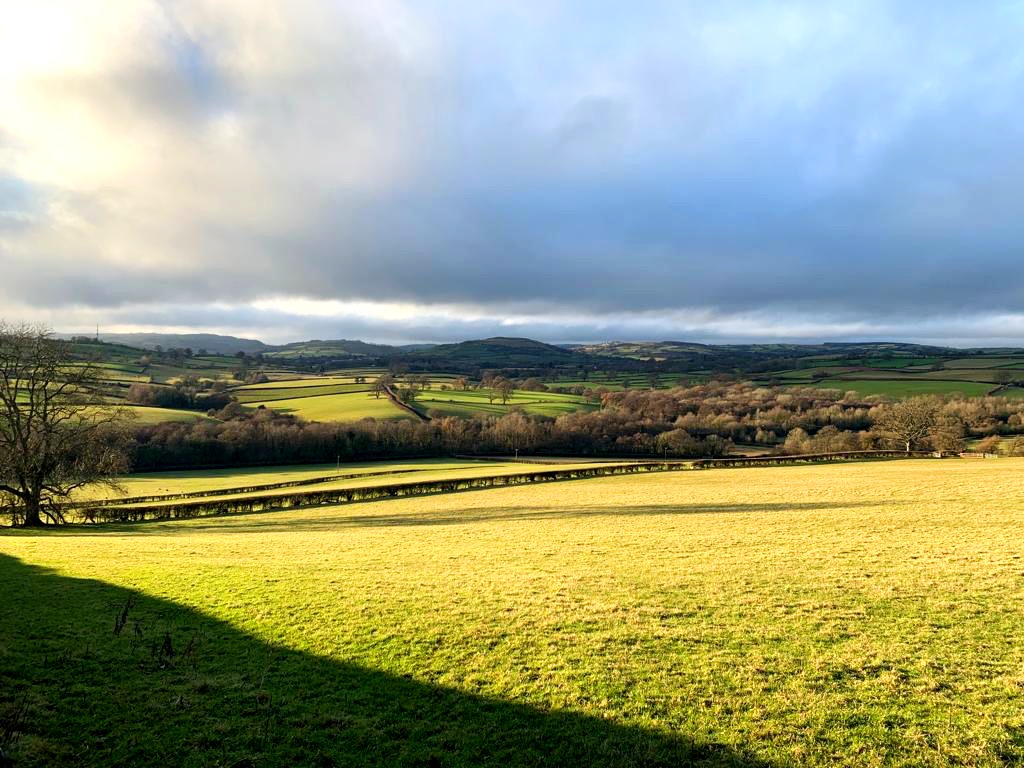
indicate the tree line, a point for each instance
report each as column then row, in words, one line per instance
column 684, row 422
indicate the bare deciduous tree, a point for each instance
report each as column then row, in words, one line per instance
column 52, row 441
column 381, row 384
column 909, row 421
column 505, row 389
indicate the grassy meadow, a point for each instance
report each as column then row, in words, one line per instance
column 472, row 402
column 345, row 406
column 900, row 377
column 906, row 387
column 204, row 480
column 222, row 484
column 703, row 618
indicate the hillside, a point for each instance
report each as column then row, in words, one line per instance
column 645, row 350
column 211, row 342
column 499, row 351
column 693, row 351
column 331, row 349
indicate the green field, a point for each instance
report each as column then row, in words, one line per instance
column 624, row 381
column 145, row 414
column 702, row 618
column 152, row 415
column 458, row 403
column 350, row 406
column 366, row 474
column 983, row 361
column 972, row 376
column 307, row 381
column 905, row 387
column 263, row 393
column 192, row 481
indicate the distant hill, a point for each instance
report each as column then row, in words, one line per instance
column 513, row 352
column 497, row 352
column 645, row 350
column 685, row 351
column 211, row 342
column 333, row 348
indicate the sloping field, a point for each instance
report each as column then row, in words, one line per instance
column 382, row 476
column 264, row 394
column 981, row 361
column 308, row 381
column 203, row 480
column 967, row 374
column 348, row 406
column 854, row 614
column 905, row 387
column 623, row 381
column 145, row 414
column 458, row 403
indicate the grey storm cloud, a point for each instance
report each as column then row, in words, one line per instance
column 606, row 171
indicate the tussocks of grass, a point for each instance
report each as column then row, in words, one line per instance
column 857, row 614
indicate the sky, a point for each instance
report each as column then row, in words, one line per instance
column 569, row 171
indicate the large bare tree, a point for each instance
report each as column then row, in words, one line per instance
column 53, row 441
column 909, row 422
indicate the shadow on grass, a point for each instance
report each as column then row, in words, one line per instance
column 176, row 688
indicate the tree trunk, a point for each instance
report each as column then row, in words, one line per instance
column 32, row 518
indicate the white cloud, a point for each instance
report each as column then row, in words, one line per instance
column 675, row 168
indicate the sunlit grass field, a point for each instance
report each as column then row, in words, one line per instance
column 192, row 481
column 147, row 414
column 364, row 475
column 459, row 403
column 861, row 614
column 905, row 388
column 348, row 406
column 261, row 393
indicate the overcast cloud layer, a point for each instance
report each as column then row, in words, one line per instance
column 571, row 171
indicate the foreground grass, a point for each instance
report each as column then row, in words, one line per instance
column 859, row 614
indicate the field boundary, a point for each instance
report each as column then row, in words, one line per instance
column 200, row 508
column 396, row 400
column 237, row 490
column 197, row 507
column 807, row 458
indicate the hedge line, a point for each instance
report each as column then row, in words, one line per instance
column 200, row 508
column 806, row 458
column 253, row 488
